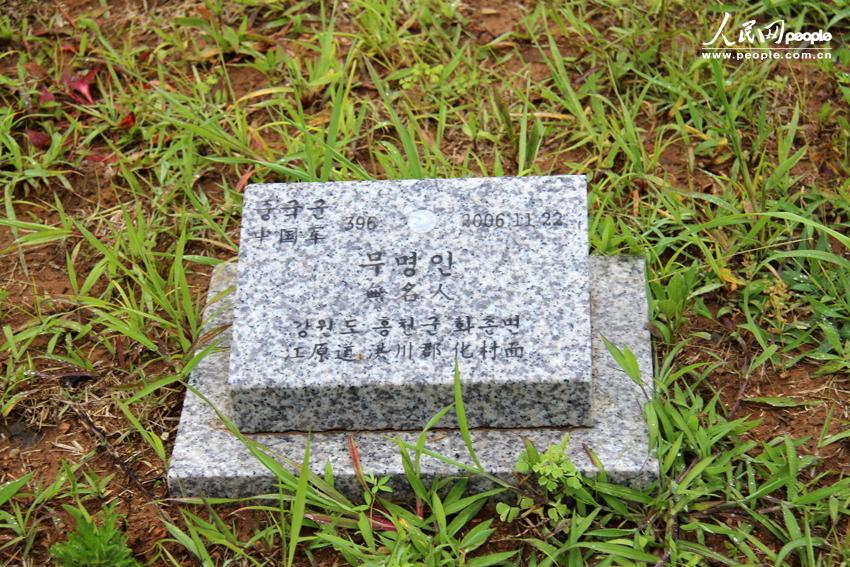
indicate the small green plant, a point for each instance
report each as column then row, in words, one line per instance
column 269, row 62
column 553, row 469
column 557, row 478
column 671, row 299
column 421, row 72
column 6, row 28
column 376, row 485
column 91, row 544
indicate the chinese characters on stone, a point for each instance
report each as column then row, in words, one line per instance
column 325, row 339
column 408, row 265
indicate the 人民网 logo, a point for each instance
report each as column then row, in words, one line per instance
column 767, row 41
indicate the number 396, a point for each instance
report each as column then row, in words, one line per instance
column 361, row 223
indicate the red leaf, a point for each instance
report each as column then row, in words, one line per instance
column 35, row 70
column 45, row 96
column 355, row 462
column 155, row 139
column 100, row 158
column 382, row 524
column 80, row 84
column 128, row 121
column 256, row 142
column 244, row 179
column 38, row 139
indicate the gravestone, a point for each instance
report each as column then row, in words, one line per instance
column 354, row 301
column 356, row 298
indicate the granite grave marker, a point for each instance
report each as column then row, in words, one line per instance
column 353, row 301
column 356, row 298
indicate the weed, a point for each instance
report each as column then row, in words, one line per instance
column 94, row 543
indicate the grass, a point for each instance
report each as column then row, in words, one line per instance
column 127, row 136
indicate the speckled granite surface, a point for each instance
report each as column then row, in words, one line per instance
column 208, row 461
column 355, row 298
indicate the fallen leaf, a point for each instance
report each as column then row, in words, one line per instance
column 38, row 139
column 45, row 96
column 207, row 53
column 80, row 84
column 100, row 158
column 730, row 278
column 255, row 141
column 154, row 141
column 35, row 70
column 243, row 180
column 128, row 121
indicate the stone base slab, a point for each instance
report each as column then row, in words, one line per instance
column 208, row 461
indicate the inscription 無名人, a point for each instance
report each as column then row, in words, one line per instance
column 406, row 264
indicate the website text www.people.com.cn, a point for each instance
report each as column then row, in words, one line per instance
column 763, row 55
